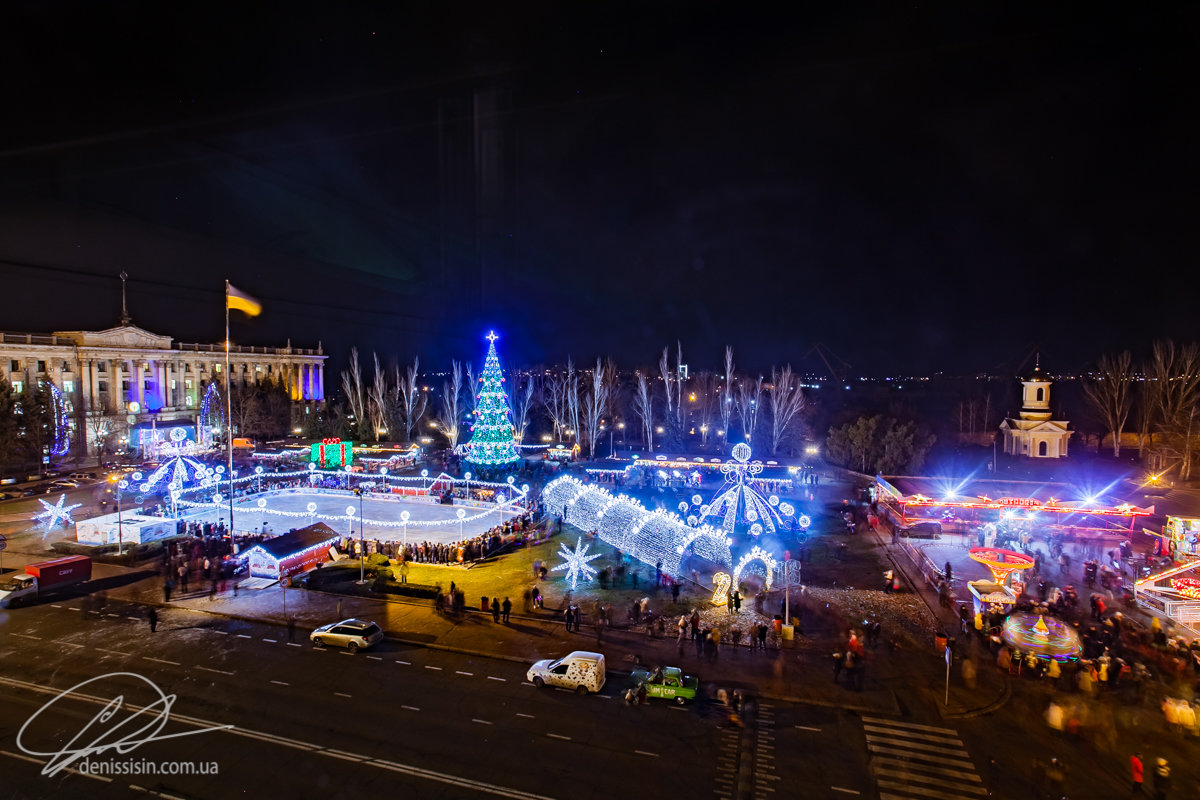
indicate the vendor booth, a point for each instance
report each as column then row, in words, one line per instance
column 1174, row 592
column 292, row 553
column 125, row 528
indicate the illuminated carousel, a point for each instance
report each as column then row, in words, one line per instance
column 1045, row 637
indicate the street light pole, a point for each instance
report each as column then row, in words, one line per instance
column 122, row 484
column 362, row 546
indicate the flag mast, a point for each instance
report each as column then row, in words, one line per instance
column 228, row 411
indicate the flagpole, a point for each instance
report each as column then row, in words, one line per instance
column 228, row 411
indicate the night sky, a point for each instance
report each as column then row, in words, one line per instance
column 917, row 187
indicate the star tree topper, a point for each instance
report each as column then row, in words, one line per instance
column 56, row 512
column 576, row 563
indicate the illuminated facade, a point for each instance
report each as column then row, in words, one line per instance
column 1033, row 433
column 131, row 374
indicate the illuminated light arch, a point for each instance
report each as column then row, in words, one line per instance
column 756, row 554
column 651, row 537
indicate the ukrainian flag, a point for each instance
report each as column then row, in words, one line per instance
column 239, row 300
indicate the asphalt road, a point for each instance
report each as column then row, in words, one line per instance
column 420, row 722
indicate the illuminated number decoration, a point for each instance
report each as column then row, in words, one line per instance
column 720, row 594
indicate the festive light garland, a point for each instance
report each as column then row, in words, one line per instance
column 756, row 554
column 739, row 501
column 212, row 412
column 62, row 431
column 492, row 434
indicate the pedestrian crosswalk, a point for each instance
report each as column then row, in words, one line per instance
column 910, row 761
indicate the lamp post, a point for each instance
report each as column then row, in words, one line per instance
column 404, row 515
column 122, row 485
column 462, row 512
column 362, row 545
column 467, row 478
column 621, row 425
column 611, row 433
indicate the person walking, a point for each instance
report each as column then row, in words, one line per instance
column 152, row 616
column 505, row 609
column 1137, row 772
column 167, row 590
column 570, row 617
column 1162, row 779
column 496, row 609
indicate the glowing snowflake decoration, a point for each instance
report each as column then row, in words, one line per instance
column 56, row 512
column 576, row 563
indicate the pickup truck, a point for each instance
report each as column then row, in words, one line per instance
column 43, row 578
column 668, row 682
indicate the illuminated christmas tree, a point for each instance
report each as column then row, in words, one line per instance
column 492, row 434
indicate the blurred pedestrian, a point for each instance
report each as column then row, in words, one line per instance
column 153, row 618
column 1137, row 772
column 291, row 628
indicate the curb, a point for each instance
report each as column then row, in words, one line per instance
column 995, row 705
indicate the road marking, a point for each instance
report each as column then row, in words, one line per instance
column 293, row 644
column 102, row 778
column 460, row 672
column 494, row 678
column 346, row 652
column 405, row 663
column 939, row 739
column 342, row 694
column 526, row 716
column 677, row 708
column 113, row 615
column 27, row 636
column 646, row 753
column 272, row 641
column 52, row 605
column 375, row 658
column 410, row 708
column 526, row 683
column 114, row 652
column 439, row 669
column 482, row 721
column 134, row 619
column 281, row 683
column 161, row 660
column 845, row 791
column 72, row 608
column 70, row 644
column 244, row 636
column 218, row 671
column 808, row 728
column 897, row 724
column 557, row 736
column 223, row 633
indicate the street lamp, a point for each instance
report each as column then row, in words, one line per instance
column 462, row 512
column 467, row 478
column 621, row 425
column 404, row 515
column 121, row 486
column 362, row 545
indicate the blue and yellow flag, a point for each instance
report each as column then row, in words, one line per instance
column 236, row 299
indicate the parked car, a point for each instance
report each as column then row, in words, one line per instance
column 353, row 634
column 581, row 670
column 669, row 683
column 61, row 486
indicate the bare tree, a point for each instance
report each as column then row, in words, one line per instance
column 354, row 390
column 101, row 424
column 787, row 403
column 412, row 400
column 521, row 401
column 749, row 399
column 727, row 393
column 664, row 369
column 556, row 403
column 594, row 404
column 1176, row 370
column 472, row 390
column 1147, row 414
column 452, row 409
column 573, row 399
column 378, row 403
column 1110, row 393
column 643, row 406
column 705, row 387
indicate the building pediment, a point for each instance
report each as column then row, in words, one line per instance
column 125, row 336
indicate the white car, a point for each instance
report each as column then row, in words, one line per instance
column 353, row 634
column 581, row 671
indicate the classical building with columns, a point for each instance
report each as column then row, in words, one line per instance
column 132, row 375
column 1033, row 433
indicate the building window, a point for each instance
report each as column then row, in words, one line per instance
column 14, row 366
column 187, row 367
column 258, row 367
column 1041, row 394
column 187, row 385
column 189, row 401
column 1041, row 445
column 102, row 367
column 69, row 387
column 18, row 386
column 216, row 367
column 41, row 366
column 66, row 367
column 125, row 387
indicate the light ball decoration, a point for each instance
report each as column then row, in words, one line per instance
column 258, row 470
column 756, row 529
column 137, row 476
column 741, row 452
column 804, row 521
column 773, row 500
column 216, row 498
column 311, row 507
column 787, row 509
column 262, row 502
column 697, row 499
column 461, row 513
column 404, row 515
column 752, row 516
column 349, row 511
column 683, row 507
column 145, row 487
